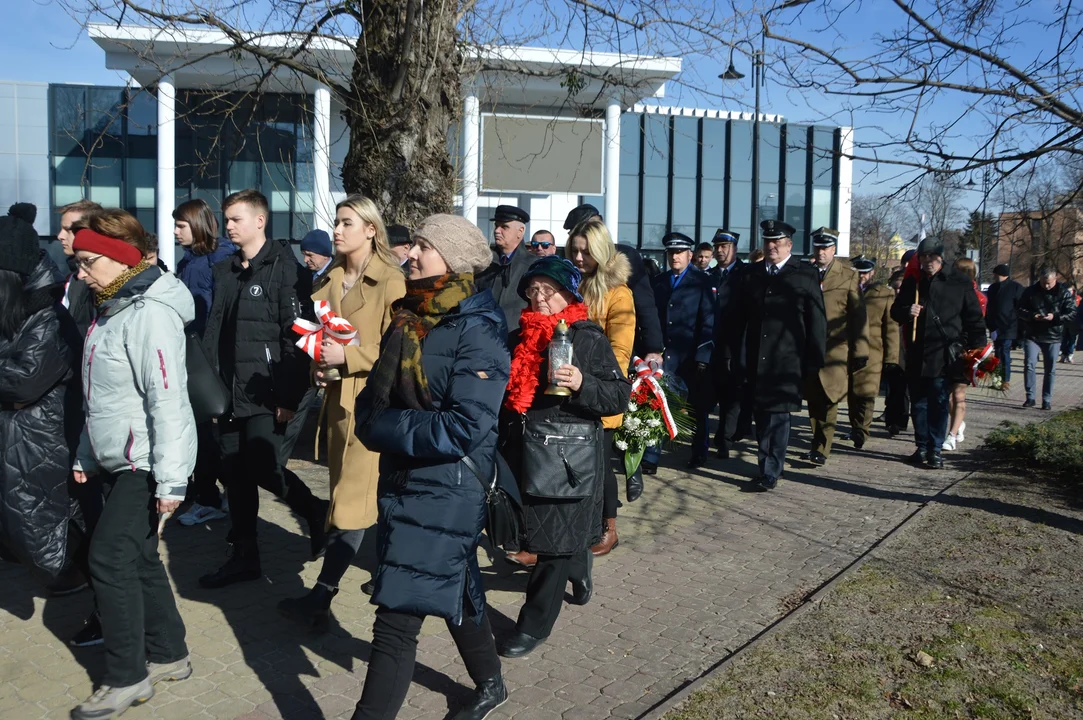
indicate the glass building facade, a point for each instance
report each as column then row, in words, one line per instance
column 103, row 147
column 694, row 175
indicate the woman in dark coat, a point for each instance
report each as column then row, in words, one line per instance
column 432, row 400
column 560, row 531
column 40, row 411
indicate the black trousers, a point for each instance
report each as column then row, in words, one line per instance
column 773, row 434
column 250, row 460
column 296, row 425
column 545, row 591
column 897, row 407
column 734, row 411
column 394, row 649
column 204, row 486
column 139, row 615
column 610, row 501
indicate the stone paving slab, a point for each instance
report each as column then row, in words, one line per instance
column 702, row 567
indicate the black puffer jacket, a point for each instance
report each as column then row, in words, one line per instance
column 40, row 419
column 565, row 527
column 249, row 335
column 1057, row 302
column 78, row 299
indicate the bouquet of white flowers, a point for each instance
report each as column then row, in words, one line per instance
column 656, row 413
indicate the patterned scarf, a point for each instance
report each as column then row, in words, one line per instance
column 399, row 370
column 535, row 332
column 114, row 287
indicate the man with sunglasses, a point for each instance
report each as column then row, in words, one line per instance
column 542, row 244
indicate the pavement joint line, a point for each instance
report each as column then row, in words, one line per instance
column 680, row 694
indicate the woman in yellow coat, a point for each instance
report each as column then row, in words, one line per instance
column 362, row 283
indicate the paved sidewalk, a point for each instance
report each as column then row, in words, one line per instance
column 701, row 568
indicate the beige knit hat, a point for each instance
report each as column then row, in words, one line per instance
column 458, row 241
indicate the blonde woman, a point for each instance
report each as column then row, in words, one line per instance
column 362, row 283
column 957, row 401
column 609, row 303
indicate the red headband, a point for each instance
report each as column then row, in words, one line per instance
column 89, row 241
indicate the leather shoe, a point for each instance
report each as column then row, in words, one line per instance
column 936, row 462
column 815, row 457
column 524, row 558
column 368, row 588
column 722, row 453
column 519, row 645
column 918, row 458
column 859, row 442
column 765, row 483
column 583, row 588
column 696, row 461
column 488, row 696
column 648, row 468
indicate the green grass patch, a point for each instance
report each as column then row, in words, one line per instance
column 1055, row 443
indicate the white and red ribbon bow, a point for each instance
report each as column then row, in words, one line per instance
column 330, row 325
column 644, row 373
column 974, row 359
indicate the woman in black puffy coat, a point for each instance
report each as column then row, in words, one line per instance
column 40, row 410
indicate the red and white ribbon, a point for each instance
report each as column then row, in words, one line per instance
column 974, row 360
column 644, row 373
column 330, row 325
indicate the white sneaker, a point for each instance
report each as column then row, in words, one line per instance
column 949, row 443
column 959, row 437
column 200, row 514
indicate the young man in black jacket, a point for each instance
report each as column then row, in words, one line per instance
column 1002, row 317
column 258, row 294
column 1045, row 308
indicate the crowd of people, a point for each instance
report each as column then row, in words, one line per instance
column 443, row 391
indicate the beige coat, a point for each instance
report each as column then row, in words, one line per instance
column 883, row 334
column 847, row 334
column 354, row 469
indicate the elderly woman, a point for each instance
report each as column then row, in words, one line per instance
column 141, row 435
column 363, row 282
column 560, row 476
column 430, row 409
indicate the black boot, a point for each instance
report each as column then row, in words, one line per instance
column 490, row 695
column 312, row 610
column 243, row 565
column 583, row 588
column 317, row 524
column 633, row 485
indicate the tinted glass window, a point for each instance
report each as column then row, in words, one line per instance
column 656, row 146
column 770, row 153
column 629, row 144
column 714, row 148
column 796, row 154
column 685, row 147
column 740, row 150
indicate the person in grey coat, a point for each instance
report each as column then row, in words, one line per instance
column 140, row 435
column 510, row 261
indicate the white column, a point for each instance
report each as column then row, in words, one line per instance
column 612, row 164
column 321, row 161
column 845, row 190
column 471, row 155
column 167, row 168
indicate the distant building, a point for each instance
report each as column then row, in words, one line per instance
column 1029, row 240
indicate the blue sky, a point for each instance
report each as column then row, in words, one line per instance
column 49, row 46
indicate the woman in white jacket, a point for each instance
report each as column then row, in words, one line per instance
column 140, row 434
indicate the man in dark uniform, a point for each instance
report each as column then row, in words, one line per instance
column 648, row 340
column 510, row 262
column 685, row 304
column 735, row 409
column 847, row 348
column 779, row 318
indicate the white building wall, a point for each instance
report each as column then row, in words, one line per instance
column 24, row 148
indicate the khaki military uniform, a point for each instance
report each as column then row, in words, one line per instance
column 883, row 335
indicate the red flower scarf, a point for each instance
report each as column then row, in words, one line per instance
column 535, row 332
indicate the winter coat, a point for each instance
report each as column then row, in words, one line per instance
column 503, row 282
column 565, row 527
column 1036, row 300
column 135, row 385
column 950, row 296
column 725, row 297
column 883, row 335
column 78, row 299
column 781, row 330
column 429, row 528
column 686, row 313
column 619, row 320
column 1002, row 314
column 40, row 420
column 648, row 337
column 46, row 274
column 847, row 338
column 354, row 469
column 197, row 274
column 249, row 335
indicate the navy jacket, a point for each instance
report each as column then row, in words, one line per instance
column 196, row 272
column 428, row 530
column 1002, row 313
column 687, row 317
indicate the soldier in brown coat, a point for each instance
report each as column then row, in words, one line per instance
column 883, row 335
column 847, row 343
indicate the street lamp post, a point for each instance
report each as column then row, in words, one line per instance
column 757, row 79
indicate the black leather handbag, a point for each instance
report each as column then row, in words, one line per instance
column 561, row 460
column 207, row 393
column 504, row 513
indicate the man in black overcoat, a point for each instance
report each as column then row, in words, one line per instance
column 727, row 368
column 511, row 260
column 1002, row 317
column 779, row 315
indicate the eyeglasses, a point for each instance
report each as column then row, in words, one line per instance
column 540, row 292
column 534, row 245
column 85, row 263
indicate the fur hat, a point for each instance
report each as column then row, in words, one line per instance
column 459, row 242
column 19, row 250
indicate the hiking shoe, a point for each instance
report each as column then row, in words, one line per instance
column 174, row 671
column 200, row 514
column 1029, row 404
column 111, row 702
column 90, row 634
